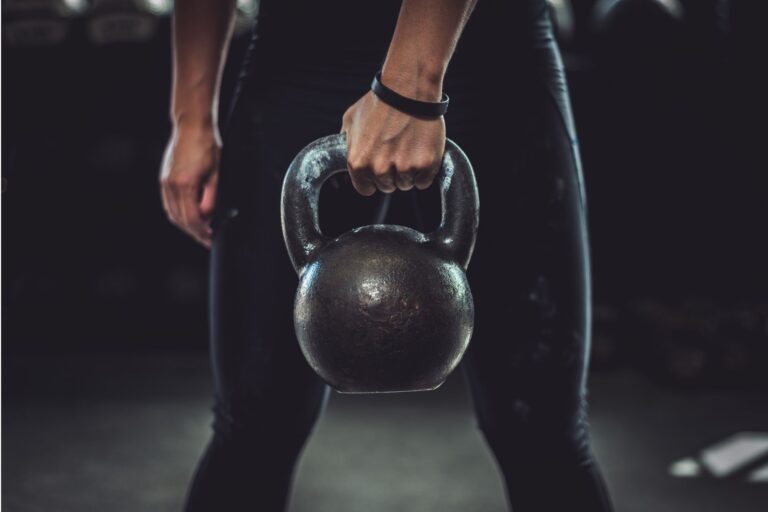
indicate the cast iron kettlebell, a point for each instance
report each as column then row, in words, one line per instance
column 381, row 308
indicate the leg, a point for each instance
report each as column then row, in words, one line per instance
column 527, row 362
column 267, row 398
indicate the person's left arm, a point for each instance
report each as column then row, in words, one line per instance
column 386, row 148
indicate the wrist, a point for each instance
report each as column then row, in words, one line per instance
column 195, row 123
column 423, row 83
column 197, row 131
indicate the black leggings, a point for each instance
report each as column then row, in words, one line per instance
column 526, row 364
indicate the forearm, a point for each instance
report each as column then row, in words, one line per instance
column 425, row 37
column 201, row 33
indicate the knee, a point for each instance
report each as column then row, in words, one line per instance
column 280, row 423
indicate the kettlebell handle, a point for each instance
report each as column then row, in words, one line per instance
column 321, row 159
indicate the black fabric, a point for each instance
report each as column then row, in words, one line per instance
column 526, row 364
column 408, row 105
column 337, row 34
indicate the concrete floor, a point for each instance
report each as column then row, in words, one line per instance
column 123, row 434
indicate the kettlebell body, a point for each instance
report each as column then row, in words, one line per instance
column 381, row 308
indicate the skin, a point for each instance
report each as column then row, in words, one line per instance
column 386, row 149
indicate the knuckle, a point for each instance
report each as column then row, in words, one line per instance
column 401, row 166
column 355, row 162
column 382, row 166
column 381, row 171
column 424, row 163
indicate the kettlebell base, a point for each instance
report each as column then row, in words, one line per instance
column 351, row 391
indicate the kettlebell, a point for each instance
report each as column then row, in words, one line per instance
column 381, row 308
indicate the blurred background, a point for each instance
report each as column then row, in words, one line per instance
column 106, row 385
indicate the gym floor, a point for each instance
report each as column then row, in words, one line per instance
column 131, row 443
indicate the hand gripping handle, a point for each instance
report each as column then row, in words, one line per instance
column 454, row 238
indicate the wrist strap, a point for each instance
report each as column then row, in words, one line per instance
column 408, row 105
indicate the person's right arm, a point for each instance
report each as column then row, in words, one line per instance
column 202, row 30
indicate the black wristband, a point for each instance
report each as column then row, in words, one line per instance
column 408, row 105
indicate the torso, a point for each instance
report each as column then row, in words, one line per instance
column 355, row 34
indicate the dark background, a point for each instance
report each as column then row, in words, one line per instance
column 669, row 108
column 669, row 100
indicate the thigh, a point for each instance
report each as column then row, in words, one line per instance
column 530, row 271
column 259, row 371
column 258, row 365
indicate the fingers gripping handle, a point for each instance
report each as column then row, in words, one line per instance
column 301, row 193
